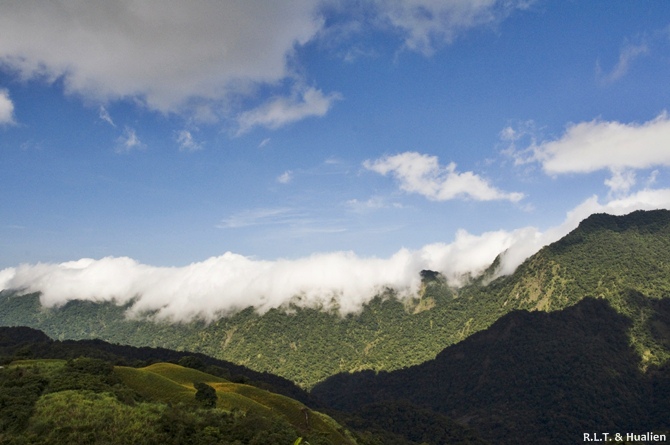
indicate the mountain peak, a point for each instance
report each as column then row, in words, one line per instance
column 646, row 220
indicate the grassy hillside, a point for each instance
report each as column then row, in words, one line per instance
column 170, row 383
column 623, row 259
column 89, row 401
column 172, row 398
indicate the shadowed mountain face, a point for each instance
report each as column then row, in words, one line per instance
column 543, row 377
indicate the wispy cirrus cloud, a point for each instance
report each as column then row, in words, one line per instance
column 281, row 111
column 285, row 177
column 371, row 204
column 427, row 24
column 423, row 174
column 129, row 141
column 627, row 56
column 187, row 142
column 103, row 114
column 260, row 216
column 284, row 222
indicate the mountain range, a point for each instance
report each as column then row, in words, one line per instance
column 575, row 341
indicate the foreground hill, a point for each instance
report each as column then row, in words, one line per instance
column 532, row 377
column 610, row 257
column 88, row 400
column 23, row 343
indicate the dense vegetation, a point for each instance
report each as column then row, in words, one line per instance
column 46, row 396
column 89, row 401
column 24, row 342
column 616, row 258
column 623, row 259
column 532, row 377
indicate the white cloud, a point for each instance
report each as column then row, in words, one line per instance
column 255, row 217
column 426, row 24
column 586, row 147
column 371, row 204
column 199, row 57
column 186, row 141
column 509, row 134
column 168, row 57
column 285, row 177
column 422, row 174
column 627, row 55
column 103, row 114
column 621, row 181
column 220, row 284
column 596, row 145
column 6, row 108
column 651, row 180
column 280, row 111
column 129, row 141
column 230, row 282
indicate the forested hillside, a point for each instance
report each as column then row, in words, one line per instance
column 532, row 377
column 624, row 259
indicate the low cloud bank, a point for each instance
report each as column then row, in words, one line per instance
column 228, row 283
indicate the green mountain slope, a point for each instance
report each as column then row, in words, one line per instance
column 624, row 259
column 532, row 377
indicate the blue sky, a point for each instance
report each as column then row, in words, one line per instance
column 172, row 135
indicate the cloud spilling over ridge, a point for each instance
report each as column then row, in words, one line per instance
column 423, row 174
column 230, row 282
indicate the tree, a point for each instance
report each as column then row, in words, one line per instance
column 205, row 394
